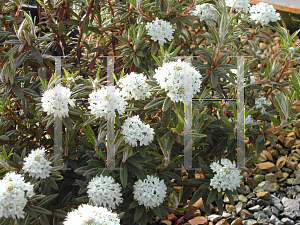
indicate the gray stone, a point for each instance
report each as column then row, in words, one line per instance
column 290, row 215
column 290, row 204
column 249, row 222
column 297, row 197
column 297, row 188
column 251, row 203
column 268, row 211
column 273, row 219
column 258, row 189
column 255, row 208
column 297, row 212
column 275, row 211
column 279, row 206
column 259, row 213
column 287, row 221
column 291, row 191
column 239, row 207
column 263, row 218
column 263, row 202
column 268, row 186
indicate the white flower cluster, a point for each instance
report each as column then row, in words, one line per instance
column 260, row 101
column 55, row 101
column 238, row 5
column 36, row 164
column 263, row 13
column 105, row 100
column 134, row 86
column 91, row 215
column 150, row 192
column 206, row 12
column 14, row 192
column 135, row 130
column 180, row 79
column 249, row 119
column 227, row 176
column 160, row 30
column 105, row 191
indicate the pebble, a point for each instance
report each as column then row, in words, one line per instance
column 244, row 214
column 237, row 221
column 290, row 204
column 222, row 222
column 275, row 211
column 268, row 211
column 255, row 208
column 198, row 220
column 262, row 202
column 290, row 215
column 287, row 221
column 291, row 191
column 271, row 177
column 264, row 195
column 214, row 218
column 239, row 207
column 249, row 222
column 259, row 178
column 275, row 220
column 268, row 186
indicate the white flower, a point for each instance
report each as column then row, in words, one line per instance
column 239, row 5
column 55, row 101
column 292, row 50
column 135, row 130
column 226, row 177
column 249, row 119
column 263, row 13
column 252, row 80
column 260, row 101
column 180, row 79
column 91, row 215
column 13, row 195
column 105, row 101
column 36, row 164
column 206, row 12
column 160, row 30
column 150, row 192
column 134, row 86
column 105, row 191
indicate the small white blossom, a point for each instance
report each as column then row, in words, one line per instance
column 134, row 86
column 105, row 100
column 14, row 192
column 91, row 215
column 226, row 177
column 160, row 30
column 252, row 80
column 150, row 192
column 263, row 13
column 55, row 101
column 263, row 111
column 239, row 5
column 104, row 191
column 260, row 101
column 249, row 119
column 135, row 130
column 36, row 164
column 206, row 12
column 180, row 79
column 292, row 50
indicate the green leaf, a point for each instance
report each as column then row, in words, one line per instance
column 138, row 213
column 41, row 210
column 43, row 219
column 21, row 59
column 47, row 199
column 211, row 196
column 157, row 212
column 260, row 144
column 34, row 50
column 133, row 205
column 167, row 104
column 4, row 138
column 29, row 210
column 124, row 174
column 16, row 89
column 155, row 102
column 197, row 195
column 230, row 197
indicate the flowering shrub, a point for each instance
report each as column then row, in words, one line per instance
column 175, row 66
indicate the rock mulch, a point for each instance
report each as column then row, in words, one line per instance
column 272, row 187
